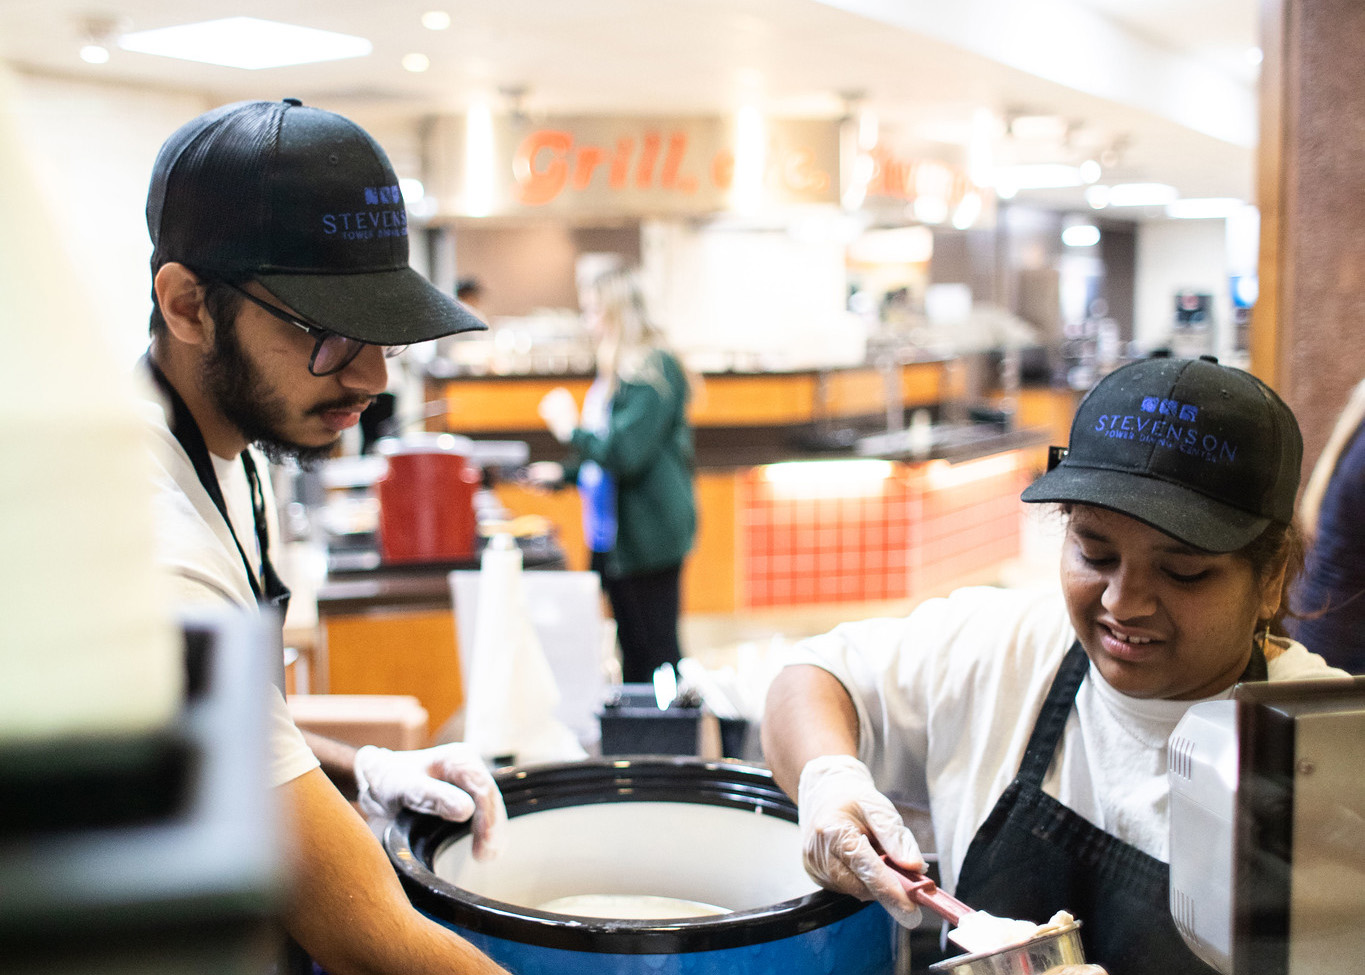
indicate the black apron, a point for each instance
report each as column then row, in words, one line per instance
column 1033, row 857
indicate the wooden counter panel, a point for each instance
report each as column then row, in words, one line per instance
column 495, row 404
column 710, row 574
column 923, row 384
column 492, row 405
column 564, row 510
column 755, row 400
column 854, row 393
column 413, row 653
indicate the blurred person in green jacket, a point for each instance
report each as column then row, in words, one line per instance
column 631, row 455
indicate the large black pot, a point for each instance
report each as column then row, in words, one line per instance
column 719, row 833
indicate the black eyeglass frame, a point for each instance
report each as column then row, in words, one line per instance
column 318, row 333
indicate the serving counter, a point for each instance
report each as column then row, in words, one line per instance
column 803, row 497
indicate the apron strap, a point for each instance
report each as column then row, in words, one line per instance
column 1047, row 730
column 1060, row 699
column 186, row 432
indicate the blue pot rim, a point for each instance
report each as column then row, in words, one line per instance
column 413, row 839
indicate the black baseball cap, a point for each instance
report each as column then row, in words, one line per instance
column 1204, row 452
column 305, row 202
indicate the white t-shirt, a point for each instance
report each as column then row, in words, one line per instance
column 947, row 698
column 196, row 551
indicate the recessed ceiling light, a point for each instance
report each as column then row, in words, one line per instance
column 1081, row 235
column 436, row 20
column 1142, row 195
column 1209, row 208
column 246, row 42
column 1038, row 176
column 416, row 63
column 94, row 54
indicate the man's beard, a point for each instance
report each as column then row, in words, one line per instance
column 242, row 395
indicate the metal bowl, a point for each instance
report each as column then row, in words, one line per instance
column 1033, row 957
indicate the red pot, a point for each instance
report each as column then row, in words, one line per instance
column 426, row 499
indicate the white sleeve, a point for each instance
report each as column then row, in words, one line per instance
column 290, row 756
column 949, row 678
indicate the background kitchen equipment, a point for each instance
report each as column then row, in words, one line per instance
column 718, row 833
column 1268, row 828
column 426, row 498
column 435, row 485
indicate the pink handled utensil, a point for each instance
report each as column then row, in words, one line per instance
column 926, row 893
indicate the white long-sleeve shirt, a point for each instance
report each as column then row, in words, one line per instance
column 947, row 698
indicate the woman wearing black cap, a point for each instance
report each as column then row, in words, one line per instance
column 1033, row 725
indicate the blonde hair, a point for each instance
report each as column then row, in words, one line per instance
column 1347, row 423
column 627, row 352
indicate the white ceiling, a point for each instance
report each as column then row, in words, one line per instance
column 1165, row 82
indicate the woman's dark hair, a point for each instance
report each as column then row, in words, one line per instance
column 1278, row 545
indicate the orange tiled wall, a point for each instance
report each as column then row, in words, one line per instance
column 920, row 529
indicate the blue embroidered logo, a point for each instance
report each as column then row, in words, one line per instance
column 382, row 194
column 364, row 224
column 1171, row 425
column 1186, row 412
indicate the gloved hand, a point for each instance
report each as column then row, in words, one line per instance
column 450, row 781
column 545, row 474
column 846, row 824
column 560, row 413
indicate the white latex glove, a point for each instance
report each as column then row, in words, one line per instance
column 560, row 413
column 545, row 473
column 450, row 781
column 846, row 824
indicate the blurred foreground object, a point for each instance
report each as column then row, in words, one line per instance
column 86, row 645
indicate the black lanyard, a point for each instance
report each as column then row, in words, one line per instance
column 270, row 590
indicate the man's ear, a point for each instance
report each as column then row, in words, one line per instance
column 180, row 294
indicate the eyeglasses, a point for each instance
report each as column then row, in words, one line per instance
column 331, row 352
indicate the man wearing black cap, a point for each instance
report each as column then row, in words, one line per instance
column 1032, row 725
column 280, row 284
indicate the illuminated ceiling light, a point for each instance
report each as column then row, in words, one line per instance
column 1097, row 196
column 1081, row 235
column 1038, row 128
column 415, row 197
column 1254, row 56
column 750, row 159
column 1038, row 176
column 1090, row 171
column 436, row 20
column 1006, row 191
column 1142, row 195
column 1209, row 208
column 981, row 148
column 246, row 42
column 967, row 210
column 932, row 210
column 478, row 160
column 98, row 34
column 894, row 245
column 416, row 63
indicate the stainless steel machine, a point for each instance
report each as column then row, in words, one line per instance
column 1267, row 819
